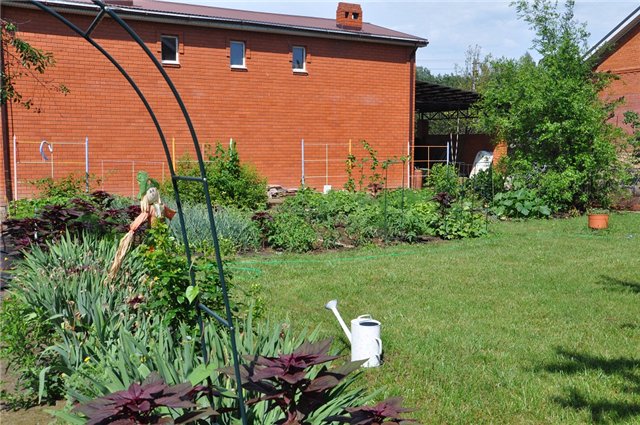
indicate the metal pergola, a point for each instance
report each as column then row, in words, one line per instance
column 104, row 11
column 435, row 102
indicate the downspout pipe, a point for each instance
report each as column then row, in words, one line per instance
column 6, row 160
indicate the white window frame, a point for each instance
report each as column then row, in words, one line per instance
column 244, row 54
column 177, row 40
column 304, row 59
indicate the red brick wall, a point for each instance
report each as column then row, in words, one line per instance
column 625, row 62
column 353, row 90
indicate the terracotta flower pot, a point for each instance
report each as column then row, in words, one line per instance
column 598, row 221
column 169, row 213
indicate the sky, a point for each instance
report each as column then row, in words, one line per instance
column 449, row 26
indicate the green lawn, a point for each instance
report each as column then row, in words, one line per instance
column 537, row 323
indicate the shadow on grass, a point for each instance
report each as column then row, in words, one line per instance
column 614, row 284
column 601, row 409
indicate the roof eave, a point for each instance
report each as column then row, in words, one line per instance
column 225, row 23
column 599, row 50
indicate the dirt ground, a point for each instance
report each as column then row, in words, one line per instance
column 34, row 416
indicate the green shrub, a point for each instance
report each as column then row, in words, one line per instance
column 169, row 277
column 419, row 219
column 232, row 224
column 485, row 184
column 364, row 224
column 91, row 215
column 461, row 222
column 291, row 232
column 230, row 182
column 444, row 178
column 520, row 202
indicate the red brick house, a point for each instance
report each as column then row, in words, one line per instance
column 267, row 81
column 619, row 52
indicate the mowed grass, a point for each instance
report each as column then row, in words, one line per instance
column 537, row 323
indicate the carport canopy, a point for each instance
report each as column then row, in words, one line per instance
column 432, row 97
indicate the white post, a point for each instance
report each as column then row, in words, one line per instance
column 448, row 150
column 15, row 168
column 302, row 162
column 86, row 162
column 326, row 164
column 408, row 165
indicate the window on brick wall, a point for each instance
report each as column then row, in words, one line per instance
column 299, row 58
column 170, row 49
column 237, row 54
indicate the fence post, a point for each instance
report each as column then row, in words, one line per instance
column 15, row 168
column 302, row 179
column 86, row 162
column 326, row 164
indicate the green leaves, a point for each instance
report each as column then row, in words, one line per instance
column 22, row 60
column 550, row 113
column 192, row 293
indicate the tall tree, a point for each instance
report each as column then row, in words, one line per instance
column 22, row 60
column 550, row 113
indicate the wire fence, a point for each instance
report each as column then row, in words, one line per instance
column 323, row 165
column 35, row 160
column 330, row 165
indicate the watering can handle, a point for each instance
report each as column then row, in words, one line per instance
column 365, row 316
column 379, row 342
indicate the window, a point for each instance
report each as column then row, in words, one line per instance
column 169, row 49
column 237, row 54
column 299, row 55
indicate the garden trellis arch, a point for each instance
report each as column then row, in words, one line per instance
column 227, row 321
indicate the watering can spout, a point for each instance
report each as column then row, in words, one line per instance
column 333, row 306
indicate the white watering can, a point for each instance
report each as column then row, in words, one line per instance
column 364, row 337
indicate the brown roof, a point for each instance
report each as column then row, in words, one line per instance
column 249, row 20
column 601, row 50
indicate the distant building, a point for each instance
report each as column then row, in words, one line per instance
column 267, row 81
column 619, row 52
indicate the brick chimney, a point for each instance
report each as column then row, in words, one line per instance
column 119, row 2
column 349, row 16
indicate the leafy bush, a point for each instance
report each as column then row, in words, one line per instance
column 386, row 412
column 444, row 178
column 232, row 224
column 287, row 382
column 146, row 403
column 520, row 202
column 486, row 183
column 169, row 276
column 230, row 182
column 550, row 111
column 461, row 221
column 419, row 219
column 95, row 216
column 291, row 232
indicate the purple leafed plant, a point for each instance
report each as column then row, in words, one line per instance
column 386, row 412
column 139, row 403
column 287, row 383
column 77, row 216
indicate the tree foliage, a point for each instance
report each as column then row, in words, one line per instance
column 21, row 59
column 550, row 114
